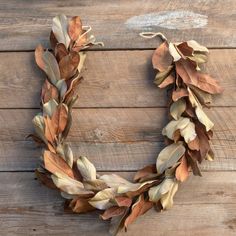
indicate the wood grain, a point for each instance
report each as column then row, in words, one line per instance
column 24, row 25
column 112, row 79
column 27, row 208
column 114, row 139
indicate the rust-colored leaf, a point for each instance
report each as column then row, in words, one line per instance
column 188, row 73
column 123, row 201
column 179, row 93
column 55, row 164
column 75, row 28
column 81, row 205
column 113, row 211
column 59, row 118
column 39, row 56
column 144, row 172
column 60, row 51
column 45, row 179
column 49, row 92
column 182, row 172
column 139, row 208
column 68, row 65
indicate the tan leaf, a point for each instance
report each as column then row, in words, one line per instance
column 51, row 67
column 86, row 168
column 188, row 132
column 169, row 156
column 113, row 211
column 69, row 185
column 177, row 108
column 64, row 151
column 174, row 52
column 49, row 107
column 182, row 172
column 75, row 28
column 39, row 127
column 50, row 130
column 102, row 200
column 167, row 199
column 59, row 28
column 95, row 185
column 55, row 164
column 139, row 208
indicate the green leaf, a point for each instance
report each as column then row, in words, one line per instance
column 169, row 156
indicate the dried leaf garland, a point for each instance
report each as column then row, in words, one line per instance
column 188, row 132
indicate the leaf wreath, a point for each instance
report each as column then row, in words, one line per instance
column 187, row 134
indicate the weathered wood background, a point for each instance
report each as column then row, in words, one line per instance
column 120, row 113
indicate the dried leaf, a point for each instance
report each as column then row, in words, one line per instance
column 161, row 59
column 45, row 179
column 64, row 151
column 60, row 51
column 179, row 93
column 174, row 52
column 102, row 199
column 39, row 127
column 113, row 211
column 95, row 185
column 123, row 201
column 68, row 65
column 75, row 28
column 39, row 56
column 188, row 132
column 144, row 172
column 50, row 130
column 69, row 185
column 55, row 164
column 177, row 108
column 193, row 163
column 86, row 168
column 169, row 156
column 49, row 92
column 139, row 208
column 50, row 107
column 200, row 80
column 60, row 117
column 81, row 205
column 59, row 28
column 51, row 67
column 182, row 172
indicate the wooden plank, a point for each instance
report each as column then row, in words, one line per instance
column 114, row 139
column 24, row 156
column 24, row 25
column 115, row 124
column 27, row 208
column 112, row 79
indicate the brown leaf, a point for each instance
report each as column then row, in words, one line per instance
column 55, row 164
column 161, row 58
column 68, row 65
column 193, row 162
column 123, row 201
column 59, row 118
column 45, row 179
column 50, row 129
column 113, row 211
column 75, row 28
column 53, row 40
column 49, row 92
column 194, row 144
column 200, row 80
column 60, row 51
column 39, row 56
column 182, row 172
column 144, row 172
column 204, row 145
column 169, row 80
column 81, row 205
column 139, row 208
column 179, row 93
